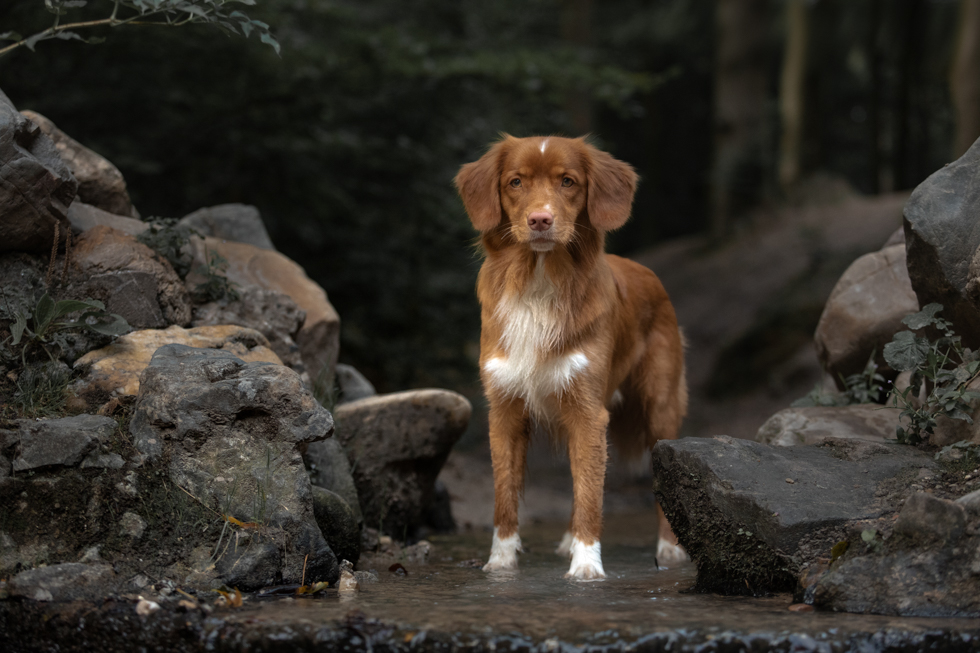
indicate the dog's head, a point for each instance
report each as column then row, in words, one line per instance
column 538, row 188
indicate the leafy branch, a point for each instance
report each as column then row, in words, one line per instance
column 942, row 370
column 164, row 13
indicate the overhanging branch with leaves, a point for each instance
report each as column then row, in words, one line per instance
column 163, row 13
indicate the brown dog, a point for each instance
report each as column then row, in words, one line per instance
column 574, row 340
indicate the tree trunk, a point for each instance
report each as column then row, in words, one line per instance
column 964, row 82
column 576, row 28
column 740, row 103
column 791, row 94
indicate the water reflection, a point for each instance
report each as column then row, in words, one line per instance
column 536, row 600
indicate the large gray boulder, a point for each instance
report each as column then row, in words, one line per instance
column 239, row 223
column 942, row 235
column 231, row 434
column 270, row 312
column 817, row 424
column 130, row 279
column 352, row 384
column 397, row 444
column 864, row 310
column 99, row 182
column 36, row 187
column 928, row 567
column 753, row 517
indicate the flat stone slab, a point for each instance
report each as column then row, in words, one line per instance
column 816, row 424
column 752, row 515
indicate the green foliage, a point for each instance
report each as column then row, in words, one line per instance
column 941, row 371
column 43, row 328
column 170, row 240
column 348, row 143
column 41, row 390
column 216, row 287
column 168, row 13
column 864, row 387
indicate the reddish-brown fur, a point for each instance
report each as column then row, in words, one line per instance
column 613, row 312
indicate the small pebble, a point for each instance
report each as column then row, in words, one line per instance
column 144, row 607
column 800, row 607
column 790, row 481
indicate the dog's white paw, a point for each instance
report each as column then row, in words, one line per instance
column 565, row 546
column 670, row 553
column 586, row 561
column 503, row 552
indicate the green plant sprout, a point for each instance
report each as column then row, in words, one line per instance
column 942, row 369
column 864, row 387
column 216, row 287
column 43, row 326
column 163, row 13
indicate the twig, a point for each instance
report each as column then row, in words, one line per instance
column 303, row 579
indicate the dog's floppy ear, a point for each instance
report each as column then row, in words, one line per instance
column 478, row 184
column 612, row 184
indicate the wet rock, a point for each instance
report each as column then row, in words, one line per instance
column 330, row 469
column 270, row 312
column 319, row 337
column 353, row 385
column 971, row 503
column 130, row 279
column 928, row 567
column 232, row 432
column 925, row 518
column 943, row 237
column 115, row 370
column 68, row 581
column 239, row 223
column 85, row 216
column 815, row 424
column 438, row 515
column 751, row 531
column 338, row 524
column 99, row 182
column 51, row 443
column 36, row 186
column 251, row 564
column 400, row 441
column 864, row 310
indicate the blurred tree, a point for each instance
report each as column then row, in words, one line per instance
column 791, row 93
column 742, row 101
column 964, row 79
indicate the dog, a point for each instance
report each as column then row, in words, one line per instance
column 574, row 341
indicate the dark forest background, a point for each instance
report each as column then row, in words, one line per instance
column 349, row 140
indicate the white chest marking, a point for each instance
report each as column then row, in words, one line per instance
column 532, row 330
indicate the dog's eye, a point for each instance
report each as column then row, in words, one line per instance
column 567, row 181
column 515, row 183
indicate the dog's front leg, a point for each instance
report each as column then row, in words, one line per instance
column 587, row 454
column 509, row 435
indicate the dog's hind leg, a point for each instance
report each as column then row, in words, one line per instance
column 509, row 436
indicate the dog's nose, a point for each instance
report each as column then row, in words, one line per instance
column 540, row 221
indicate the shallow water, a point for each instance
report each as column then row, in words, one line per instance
column 636, row 599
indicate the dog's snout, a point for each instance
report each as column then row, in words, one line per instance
column 540, row 221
